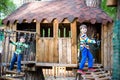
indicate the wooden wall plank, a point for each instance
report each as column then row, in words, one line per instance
column 64, row 51
column 60, row 50
column 51, row 50
column 69, row 51
column 41, row 50
column 46, row 52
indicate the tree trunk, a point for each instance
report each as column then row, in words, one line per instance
column 93, row 3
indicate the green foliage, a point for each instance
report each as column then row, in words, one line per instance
column 111, row 11
column 0, row 22
column 6, row 8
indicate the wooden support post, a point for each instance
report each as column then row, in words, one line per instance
column 55, row 34
column 74, row 42
column 105, row 46
column 37, row 41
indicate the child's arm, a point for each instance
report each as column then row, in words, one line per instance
column 87, row 40
column 25, row 45
column 14, row 43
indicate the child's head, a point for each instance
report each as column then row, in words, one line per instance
column 83, row 29
column 22, row 39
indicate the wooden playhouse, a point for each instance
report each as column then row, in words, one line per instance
column 55, row 25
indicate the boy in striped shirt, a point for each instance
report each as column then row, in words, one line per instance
column 18, row 54
column 85, row 52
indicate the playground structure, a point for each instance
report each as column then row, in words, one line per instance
column 53, row 36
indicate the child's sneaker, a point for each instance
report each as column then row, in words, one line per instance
column 81, row 71
column 91, row 69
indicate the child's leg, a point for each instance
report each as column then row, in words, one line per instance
column 90, row 59
column 14, row 59
column 19, row 62
column 84, row 56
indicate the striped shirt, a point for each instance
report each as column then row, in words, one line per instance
column 84, row 40
column 20, row 47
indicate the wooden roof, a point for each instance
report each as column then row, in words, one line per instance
column 58, row 9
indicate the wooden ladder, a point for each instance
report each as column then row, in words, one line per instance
column 99, row 74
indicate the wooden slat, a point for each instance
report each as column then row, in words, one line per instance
column 51, row 50
column 60, row 50
column 14, row 72
column 69, row 51
column 41, row 47
column 46, row 52
column 64, row 51
column 55, row 52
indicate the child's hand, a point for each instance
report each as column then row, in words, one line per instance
column 94, row 41
column 10, row 41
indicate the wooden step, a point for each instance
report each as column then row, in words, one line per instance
column 99, row 74
column 9, row 78
column 22, row 62
column 96, row 64
column 15, row 66
column 14, row 72
column 105, row 78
